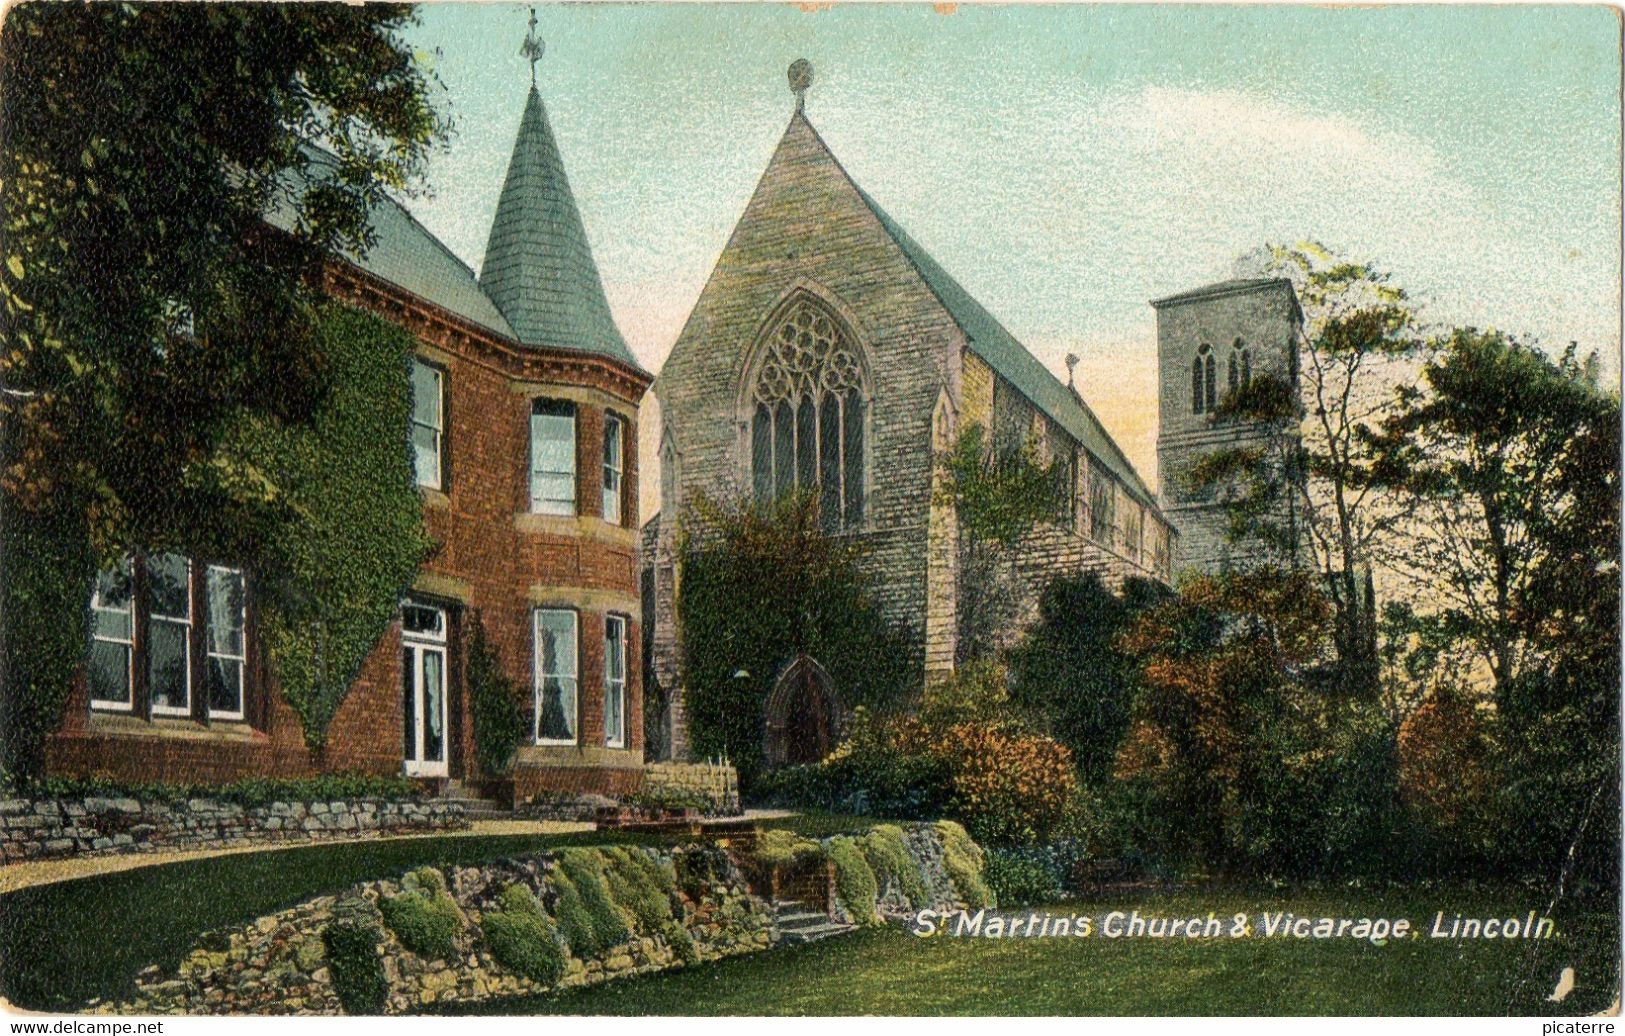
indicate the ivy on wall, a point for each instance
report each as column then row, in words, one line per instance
column 321, row 506
column 762, row 586
column 331, row 574
column 45, row 573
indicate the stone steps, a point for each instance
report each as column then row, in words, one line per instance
column 475, row 806
column 797, row 924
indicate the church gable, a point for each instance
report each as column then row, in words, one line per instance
column 808, row 234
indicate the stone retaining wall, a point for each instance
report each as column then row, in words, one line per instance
column 279, row 964
column 714, row 783
column 38, row 829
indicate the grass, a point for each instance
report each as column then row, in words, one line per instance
column 64, row 943
column 889, row 971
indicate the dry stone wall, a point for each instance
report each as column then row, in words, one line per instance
column 285, row 963
column 37, row 829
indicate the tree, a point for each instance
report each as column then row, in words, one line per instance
column 1235, row 755
column 148, row 312
column 762, row 584
column 1306, row 487
column 1069, row 673
column 998, row 497
column 1484, row 454
column 146, row 302
column 1510, row 460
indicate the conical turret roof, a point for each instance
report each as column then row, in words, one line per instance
column 538, row 267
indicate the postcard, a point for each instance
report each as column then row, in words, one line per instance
column 809, row 509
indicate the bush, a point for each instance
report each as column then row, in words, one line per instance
column 356, row 968
column 423, row 917
column 854, row 881
column 681, row 942
column 522, row 937
column 588, row 917
column 636, row 889
column 962, row 858
column 499, row 723
column 668, row 800
column 780, row 847
column 1009, row 788
column 889, row 858
column 1018, row 878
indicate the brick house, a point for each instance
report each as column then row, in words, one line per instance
column 829, row 350
column 524, row 425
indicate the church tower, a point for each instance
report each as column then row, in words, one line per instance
column 1210, row 342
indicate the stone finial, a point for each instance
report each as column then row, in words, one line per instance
column 801, row 77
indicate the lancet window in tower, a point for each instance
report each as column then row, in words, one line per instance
column 1241, row 365
column 808, row 416
column 1204, row 396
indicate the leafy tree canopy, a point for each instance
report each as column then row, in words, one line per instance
column 145, row 302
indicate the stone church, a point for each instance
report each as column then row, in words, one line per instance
column 830, row 351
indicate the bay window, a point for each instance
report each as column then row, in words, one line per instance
column 556, row 677
column 614, row 466
column 553, row 457
column 615, row 681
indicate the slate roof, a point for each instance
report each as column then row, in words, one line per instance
column 538, row 266
column 406, row 255
column 1005, row 354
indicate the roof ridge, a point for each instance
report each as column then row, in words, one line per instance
column 914, row 252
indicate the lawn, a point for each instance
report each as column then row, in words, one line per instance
column 890, row 971
column 63, row 943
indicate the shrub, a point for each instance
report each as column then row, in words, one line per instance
column 962, row 858
column 423, row 917
column 889, row 858
column 356, row 968
column 1018, row 878
column 854, row 881
column 589, row 918
column 499, row 723
column 637, row 889
column 522, row 937
column 1009, row 788
column 681, row 942
column 781, row 847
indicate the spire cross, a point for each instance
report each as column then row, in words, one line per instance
column 533, row 47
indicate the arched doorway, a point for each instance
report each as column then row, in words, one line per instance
column 799, row 722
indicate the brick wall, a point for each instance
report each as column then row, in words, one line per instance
column 493, row 557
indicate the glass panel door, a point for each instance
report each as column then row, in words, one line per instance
column 423, row 690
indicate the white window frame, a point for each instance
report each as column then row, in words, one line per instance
column 129, row 610
column 208, row 643
column 439, row 426
column 541, row 505
column 190, row 625
column 614, row 467
column 615, row 687
column 415, row 645
column 539, row 674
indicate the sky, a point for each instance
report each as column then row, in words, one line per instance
column 1068, row 163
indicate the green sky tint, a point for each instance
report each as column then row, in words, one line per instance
column 1067, row 163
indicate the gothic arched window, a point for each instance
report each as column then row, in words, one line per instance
column 1203, row 382
column 807, row 411
column 1241, row 366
